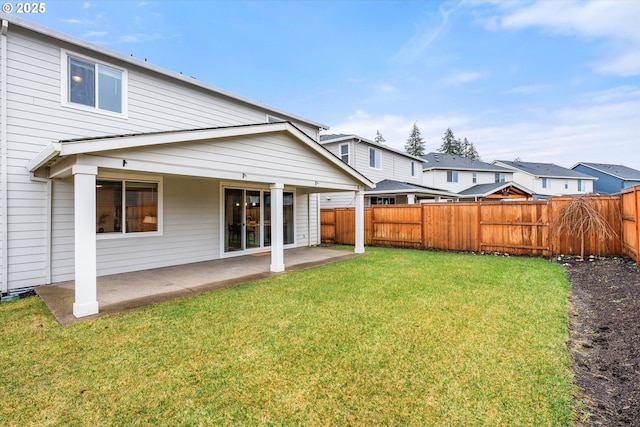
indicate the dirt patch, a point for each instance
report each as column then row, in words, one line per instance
column 604, row 340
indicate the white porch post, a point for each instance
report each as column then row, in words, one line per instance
column 411, row 199
column 84, row 178
column 359, row 249
column 277, row 228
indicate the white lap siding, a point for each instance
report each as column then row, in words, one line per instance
column 158, row 100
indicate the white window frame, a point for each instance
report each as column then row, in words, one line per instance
column 474, row 177
column 581, row 186
column 348, row 153
column 263, row 189
column 452, row 176
column 414, row 169
column 64, row 87
column 377, row 158
column 500, row 177
column 135, row 178
column 546, row 183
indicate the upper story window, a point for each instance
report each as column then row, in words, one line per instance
column 375, row 158
column 414, row 169
column 95, row 85
column 344, row 153
column 546, row 182
column 452, row 176
column 474, row 177
column 500, row 177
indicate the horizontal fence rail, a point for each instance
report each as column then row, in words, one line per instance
column 518, row 227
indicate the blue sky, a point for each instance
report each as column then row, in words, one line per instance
column 548, row 81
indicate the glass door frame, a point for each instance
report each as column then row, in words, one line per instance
column 264, row 225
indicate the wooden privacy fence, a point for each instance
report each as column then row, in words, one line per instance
column 520, row 227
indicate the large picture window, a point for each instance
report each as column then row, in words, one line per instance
column 126, row 206
column 95, row 85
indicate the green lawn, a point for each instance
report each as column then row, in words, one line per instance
column 395, row 337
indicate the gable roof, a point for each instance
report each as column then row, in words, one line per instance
column 392, row 186
column 484, row 190
column 65, row 38
column 618, row 171
column 341, row 137
column 57, row 150
column 452, row 161
column 544, row 170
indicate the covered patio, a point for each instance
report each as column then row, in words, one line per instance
column 125, row 291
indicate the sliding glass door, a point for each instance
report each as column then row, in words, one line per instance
column 247, row 219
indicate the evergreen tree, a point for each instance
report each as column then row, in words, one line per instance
column 415, row 143
column 379, row 138
column 469, row 150
column 450, row 144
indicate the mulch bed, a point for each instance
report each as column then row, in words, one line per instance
column 604, row 339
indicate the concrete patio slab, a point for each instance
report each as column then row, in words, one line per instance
column 125, row 291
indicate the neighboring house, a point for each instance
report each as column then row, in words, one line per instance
column 110, row 164
column 495, row 191
column 548, row 179
column 401, row 172
column 460, row 175
column 611, row 178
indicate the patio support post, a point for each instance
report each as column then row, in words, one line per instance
column 84, row 180
column 411, row 199
column 359, row 249
column 277, row 228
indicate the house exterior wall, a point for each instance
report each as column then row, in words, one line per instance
column 555, row 186
column 36, row 115
column 394, row 166
column 605, row 183
column 437, row 178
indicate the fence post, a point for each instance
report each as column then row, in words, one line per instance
column 479, row 236
column 636, row 189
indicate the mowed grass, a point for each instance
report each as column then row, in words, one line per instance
column 394, row 337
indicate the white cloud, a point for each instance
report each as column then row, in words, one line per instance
column 87, row 5
column 71, row 21
column 606, row 132
column 528, row 89
column 396, row 129
column 96, row 34
column 614, row 22
column 425, row 34
column 461, row 77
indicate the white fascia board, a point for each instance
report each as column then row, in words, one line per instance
column 93, row 145
column 318, row 148
column 48, row 32
column 50, row 152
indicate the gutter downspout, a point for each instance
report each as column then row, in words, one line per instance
column 4, row 275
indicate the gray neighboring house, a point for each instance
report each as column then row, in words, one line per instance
column 548, row 179
column 472, row 179
column 398, row 175
column 611, row 178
